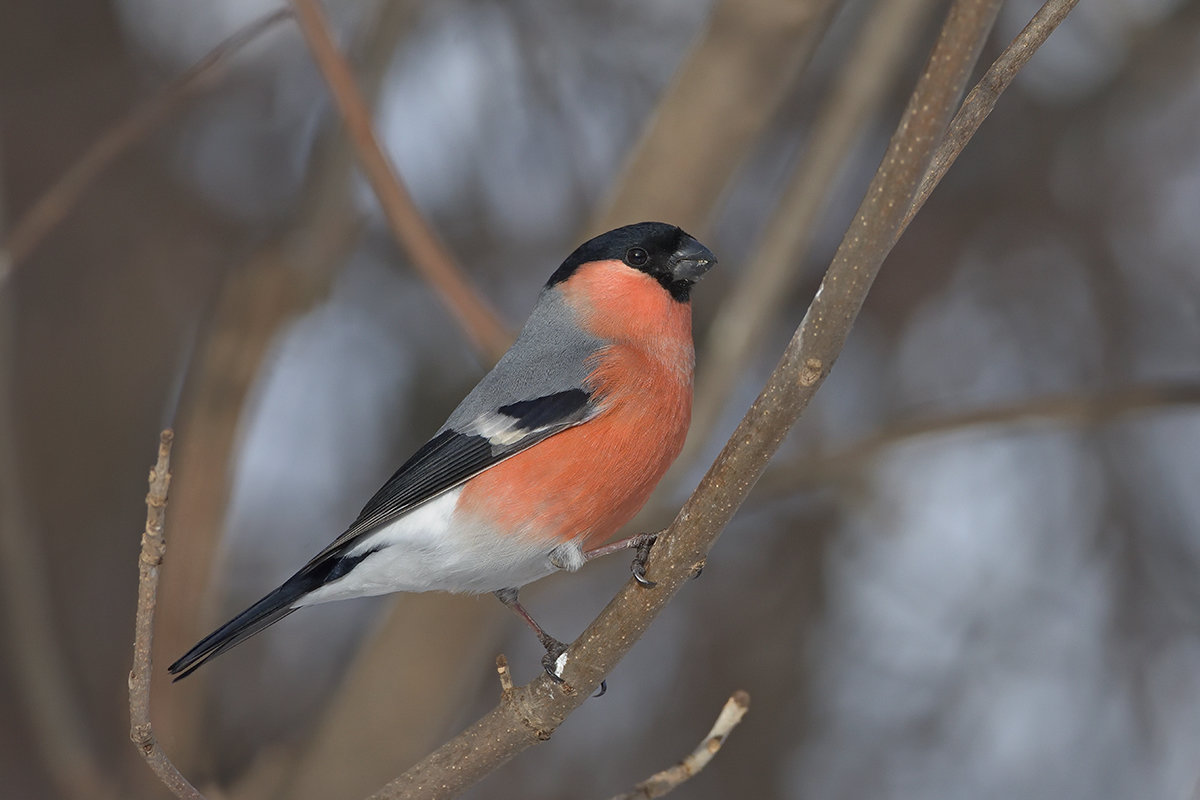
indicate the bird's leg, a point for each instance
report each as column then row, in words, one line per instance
column 641, row 544
column 554, row 648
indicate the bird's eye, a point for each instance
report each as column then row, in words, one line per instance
column 636, row 257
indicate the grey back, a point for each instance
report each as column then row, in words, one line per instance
column 549, row 356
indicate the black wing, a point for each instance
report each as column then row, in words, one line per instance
column 448, row 459
column 453, row 457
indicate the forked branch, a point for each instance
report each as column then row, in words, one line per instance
column 982, row 99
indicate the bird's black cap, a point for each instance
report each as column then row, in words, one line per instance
column 664, row 252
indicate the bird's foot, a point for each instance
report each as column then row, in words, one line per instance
column 555, row 661
column 642, row 544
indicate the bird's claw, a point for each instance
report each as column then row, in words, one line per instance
column 641, row 555
column 555, row 661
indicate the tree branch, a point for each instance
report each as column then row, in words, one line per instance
column 154, row 546
column 744, row 319
column 758, row 297
column 58, row 200
column 531, row 713
column 430, row 256
column 982, row 99
column 669, row 779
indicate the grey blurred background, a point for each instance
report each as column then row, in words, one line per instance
column 970, row 573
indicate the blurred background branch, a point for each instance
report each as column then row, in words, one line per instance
column 731, row 83
column 784, row 478
column 57, row 722
column 58, row 200
column 426, row 250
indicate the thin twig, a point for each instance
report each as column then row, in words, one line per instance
column 506, row 681
column 154, row 546
column 58, row 200
column 757, row 299
column 669, row 779
column 1068, row 408
column 533, row 712
column 982, row 99
column 430, row 256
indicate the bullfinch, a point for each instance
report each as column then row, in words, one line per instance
column 554, row 450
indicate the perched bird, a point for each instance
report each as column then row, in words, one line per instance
column 554, row 450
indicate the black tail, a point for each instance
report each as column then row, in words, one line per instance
column 327, row 567
column 261, row 615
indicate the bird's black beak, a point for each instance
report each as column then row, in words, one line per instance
column 691, row 260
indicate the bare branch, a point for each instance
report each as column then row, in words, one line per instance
column 531, row 713
column 757, row 299
column 506, row 682
column 57, row 201
column 430, row 256
column 982, row 99
column 669, row 779
column 722, row 96
column 154, row 546
column 743, row 320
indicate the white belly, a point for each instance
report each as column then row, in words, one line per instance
column 433, row 549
